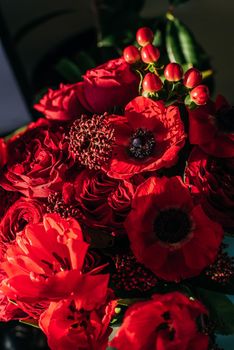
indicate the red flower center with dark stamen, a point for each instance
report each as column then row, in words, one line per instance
column 142, row 144
column 172, row 225
column 90, row 140
column 57, row 205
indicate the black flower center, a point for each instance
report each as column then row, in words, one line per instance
column 172, row 225
column 142, row 144
column 225, row 119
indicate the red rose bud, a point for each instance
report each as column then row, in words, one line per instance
column 144, row 36
column 150, row 53
column 173, row 72
column 192, row 78
column 200, row 94
column 131, row 54
column 151, row 83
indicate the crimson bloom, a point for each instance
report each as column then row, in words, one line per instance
column 45, row 263
column 212, row 182
column 147, row 138
column 3, row 152
column 37, row 162
column 211, row 127
column 166, row 322
column 61, row 104
column 168, row 233
column 69, row 326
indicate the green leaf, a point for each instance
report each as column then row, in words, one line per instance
column 38, row 21
column 173, row 46
column 221, row 310
column 68, row 70
column 84, row 61
column 129, row 302
column 16, row 132
column 30, row 322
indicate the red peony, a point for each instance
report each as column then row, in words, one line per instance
column 19, row 214
column 110, row 85
column 167, row 322
column 69, row 326
column 213, row 179
column 62, row 104
column 37, row 162
column 104, row 202
column 147, row 138
column 168, row 233
column 211, row 127
column 45, row 263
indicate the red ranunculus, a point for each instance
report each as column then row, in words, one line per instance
column 166, row 322
column 45, row 262
column 104, row 202
column 211, row 127
column 213, row 179
column 168, row 233
column 109, row 85
column 69, row 326
column 22, row 212
column 62, row 104
column 3, row 152
column 147, row 138
column 37, row 160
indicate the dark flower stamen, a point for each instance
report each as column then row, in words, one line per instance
column 57, row 205
column 142, row 144
column 90, row 140
column 172, row 225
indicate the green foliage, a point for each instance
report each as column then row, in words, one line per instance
column 221, row 310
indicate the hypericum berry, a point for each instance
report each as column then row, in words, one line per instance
column 173, row 72
column 192, row 78
column 144, row 36
column 131, row 54
column 150, row 53
column 151, row 83
column 200, row 94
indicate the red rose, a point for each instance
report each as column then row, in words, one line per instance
column 166, row 322
column 3, row 152
column 45, row 263
column 22, row 212
column 213, row 179
column 7, row 198
column 109, row 85
column 37, row 162
column 168, row 233
column 61, row 104
column 148, row 138
column 68, row 326
column 211, row 127
column 104, row 202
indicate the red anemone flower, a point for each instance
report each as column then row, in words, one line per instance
column 147, row 138
column 168, row 234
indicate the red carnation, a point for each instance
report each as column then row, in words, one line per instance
column 109, row 85
column 168, row 233
column 62, row 104
column 45, row 264
column 19, row 214
column 147, row 138
column 37, row 162
column 70, row 326
column 213, row 181
column 165, row 322
column 211, row 127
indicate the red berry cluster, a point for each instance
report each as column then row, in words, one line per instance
column 152, row 82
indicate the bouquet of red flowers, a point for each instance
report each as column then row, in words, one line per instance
column 114, row 208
